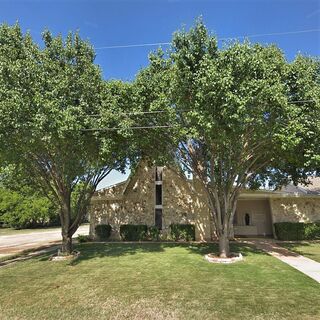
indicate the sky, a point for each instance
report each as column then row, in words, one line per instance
column 112, row 23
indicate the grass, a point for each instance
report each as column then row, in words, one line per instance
column 310, row 249
column 156, row 281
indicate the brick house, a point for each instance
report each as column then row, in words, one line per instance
column 161, row 196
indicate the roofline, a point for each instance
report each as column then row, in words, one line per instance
column 113, row 185
column 276, row 195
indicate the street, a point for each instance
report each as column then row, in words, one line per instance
column 11, row 244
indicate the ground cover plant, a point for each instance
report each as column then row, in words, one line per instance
column 156, row 281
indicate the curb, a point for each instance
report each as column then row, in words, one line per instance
column 28, row 254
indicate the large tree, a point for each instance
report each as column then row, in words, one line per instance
column 243, row 116
column 51, row 101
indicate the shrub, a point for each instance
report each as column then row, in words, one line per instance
column 83, row 238
column 182, row 232
column 154, row 233
column 297, row 230
column 103, row 231
column 133, row 232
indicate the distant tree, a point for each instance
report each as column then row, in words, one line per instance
column 51, row 101
column 23, row 205
column 242, row 116
column 26, row 210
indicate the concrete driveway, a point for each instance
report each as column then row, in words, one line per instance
column 12, row 244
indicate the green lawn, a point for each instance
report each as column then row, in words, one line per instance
column 156, row 281
column 309, row 249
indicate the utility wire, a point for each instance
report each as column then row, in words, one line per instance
column 272, row 34
column 134, row 45
column 219, row 39
column 140, row 112
column 137, row 113
column 155, row 126
column 119, row 128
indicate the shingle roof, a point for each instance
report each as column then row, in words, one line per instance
column 313, row 188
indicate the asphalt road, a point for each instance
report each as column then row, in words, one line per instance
column 12, row 244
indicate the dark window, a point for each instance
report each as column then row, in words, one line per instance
column 158, row 173
column 158, row 218
column 247, row 219
column 158, row 194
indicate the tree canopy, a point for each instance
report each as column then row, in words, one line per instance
column 237, row 116
column 242, row 116
column 51, row 101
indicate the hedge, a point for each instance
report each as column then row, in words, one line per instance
column 133, row 232
column 297, row 230
column 103, row 231
column 154, row 233
column 182, row 232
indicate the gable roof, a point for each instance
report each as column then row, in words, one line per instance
column 119, row 190
column 313, row 188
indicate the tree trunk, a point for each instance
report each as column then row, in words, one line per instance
column 69, row 227
column 65, row 217
column 66, row 247
column 224, row 247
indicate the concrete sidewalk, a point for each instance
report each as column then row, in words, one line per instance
column 305, row 265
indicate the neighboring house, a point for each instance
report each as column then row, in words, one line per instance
column 160, row 196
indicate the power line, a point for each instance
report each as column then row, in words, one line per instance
column 219, row 39
column 272, row 34
column 301, row 101
column 137, row 113
column 134, row 45
column 119, row 128
column 155, row 126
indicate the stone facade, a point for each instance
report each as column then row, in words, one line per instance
column 131, row 202
column 134, row 202
column 294, row 209
column 183, row 203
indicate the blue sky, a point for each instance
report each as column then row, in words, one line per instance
column 126, row 22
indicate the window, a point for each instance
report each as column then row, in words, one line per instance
column 158, row 218
column 158, row 173
column 247, row 219
column 158, row 198
column 158, row 194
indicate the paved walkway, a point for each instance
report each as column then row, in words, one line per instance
column 305, row 265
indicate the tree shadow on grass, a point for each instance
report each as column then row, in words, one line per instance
column 293, row 244
column 102, row 250
column 297, row 247
column 90, row 251
column 244, row 249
